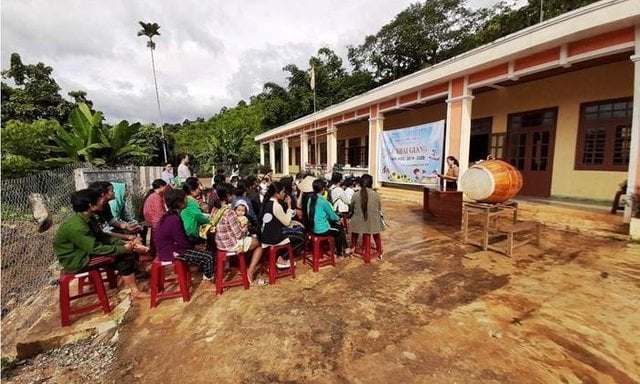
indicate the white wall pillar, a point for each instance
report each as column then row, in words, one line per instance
column 261, row 153
column 458, row 124
column 633, row 178
column 285, row 156
column 272, row 155
column 332, row 146
column 376, row 125
column 304, row 150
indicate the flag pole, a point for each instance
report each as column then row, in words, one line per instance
column 312, row 83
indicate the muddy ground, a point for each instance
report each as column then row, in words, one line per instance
column 433, row 310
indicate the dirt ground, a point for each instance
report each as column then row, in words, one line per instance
column 433, row 310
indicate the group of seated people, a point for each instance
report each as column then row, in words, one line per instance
column 94, row 232
column 189, row 222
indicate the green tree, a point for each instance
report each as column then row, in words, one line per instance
column 150, row 30
column 503, row 20
column 25, row 145
column 421, row 35
column 28, row 139
column 35, row 94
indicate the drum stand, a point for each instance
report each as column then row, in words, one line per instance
column 488, row 215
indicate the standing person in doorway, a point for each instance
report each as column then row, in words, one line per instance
column 183, row 169
column 451, row 177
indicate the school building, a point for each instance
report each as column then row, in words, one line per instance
column 556, row 100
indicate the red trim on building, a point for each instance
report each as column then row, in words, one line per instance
column 373, row 110
column 337, row 119
column 436, row 89
column 404, row 99
column 489, row 73
column 388, row 104
column 349, row 115
column 620, row 36
column 543, row 57
column 362, row 111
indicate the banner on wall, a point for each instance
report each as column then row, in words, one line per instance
column 412, row 155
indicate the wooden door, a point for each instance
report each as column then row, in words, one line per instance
column 530, row 141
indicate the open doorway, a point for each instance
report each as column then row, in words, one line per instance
column 479, row 144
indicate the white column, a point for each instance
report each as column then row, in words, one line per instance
column 332, row 146
column 285, row 156
column 261, row 153
column 458, row 126
column 633, row 178
column 272, row 155
column 376, row 125
column 304, row 150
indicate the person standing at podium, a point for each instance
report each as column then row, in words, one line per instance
column 451, row 176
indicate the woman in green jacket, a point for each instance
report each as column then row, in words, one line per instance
column 192, row 216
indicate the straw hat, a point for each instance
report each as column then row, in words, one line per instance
column 306, row 185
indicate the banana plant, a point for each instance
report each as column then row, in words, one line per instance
column 79, row 139
column 123, row 146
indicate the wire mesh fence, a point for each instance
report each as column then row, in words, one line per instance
column 27, row 258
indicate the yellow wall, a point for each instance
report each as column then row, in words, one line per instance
column 566, row 92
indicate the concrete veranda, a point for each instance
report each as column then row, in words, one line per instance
column 433, row 310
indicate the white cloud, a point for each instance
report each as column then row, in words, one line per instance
column 210, row 54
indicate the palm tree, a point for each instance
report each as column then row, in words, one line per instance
column 150, row 30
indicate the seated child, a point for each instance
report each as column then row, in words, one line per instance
column 240, row 207
column 171, row 239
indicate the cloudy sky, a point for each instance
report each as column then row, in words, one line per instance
column 210, row 53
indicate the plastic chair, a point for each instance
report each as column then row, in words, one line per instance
column 316, row 258
column 158, row 279
column 272, row 255
column 243, row 279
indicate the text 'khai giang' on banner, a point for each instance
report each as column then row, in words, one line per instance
column 412, row 155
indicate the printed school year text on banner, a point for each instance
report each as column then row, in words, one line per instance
column 412, row 155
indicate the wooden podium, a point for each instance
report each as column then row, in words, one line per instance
column 442, row 206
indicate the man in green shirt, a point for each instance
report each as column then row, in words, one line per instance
column 79, row 238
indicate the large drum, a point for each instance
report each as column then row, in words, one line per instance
column 491, row 181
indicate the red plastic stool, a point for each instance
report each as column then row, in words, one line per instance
column 110, row 278
column 366, row 251
column 158, row 278
column 272, row 269
column 65, row 298
column 315, row 258
column 243, row 279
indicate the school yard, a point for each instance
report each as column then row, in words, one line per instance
column 433, row 310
